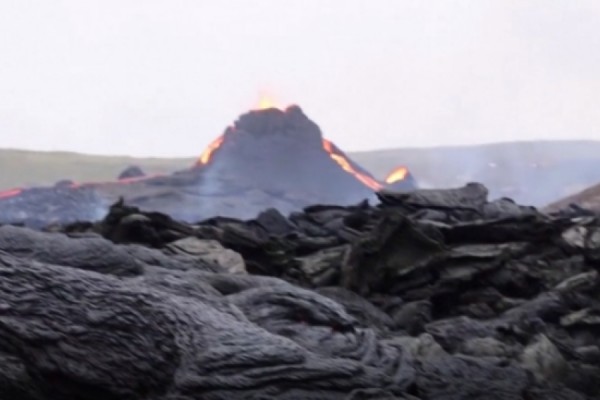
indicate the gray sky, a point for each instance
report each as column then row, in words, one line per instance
column 163, row 78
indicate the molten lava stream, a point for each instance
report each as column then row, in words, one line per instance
column 74, row 185
column 10, row 193
column 346, row 166
column 396, row 175
column 209, row 151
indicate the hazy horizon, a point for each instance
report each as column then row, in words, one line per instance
column 194, row 154
column 164, row 78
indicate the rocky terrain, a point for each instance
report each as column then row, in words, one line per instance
column 431, row 295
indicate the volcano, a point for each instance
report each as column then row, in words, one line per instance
column 283, row 151
column 268, row 158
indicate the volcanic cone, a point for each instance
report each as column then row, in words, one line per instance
column 283, row 151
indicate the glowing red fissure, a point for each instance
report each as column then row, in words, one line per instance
column 74, row 185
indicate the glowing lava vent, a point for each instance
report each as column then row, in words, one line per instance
column 400, row 179
column 396, row 175
column 267, row 101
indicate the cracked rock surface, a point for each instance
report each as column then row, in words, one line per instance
column 436, row 294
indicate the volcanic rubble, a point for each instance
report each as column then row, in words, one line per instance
column 433, row 294
column 267, row 158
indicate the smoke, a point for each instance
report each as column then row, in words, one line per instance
column 531, row 173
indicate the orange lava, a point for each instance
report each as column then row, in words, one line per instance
column 10, row 193
column 208, row 152
column 346, row 166
column 335, row 155
column 267, row 101
column 74, row 185
column 396, row 175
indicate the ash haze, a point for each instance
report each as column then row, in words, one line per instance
column 164, row 78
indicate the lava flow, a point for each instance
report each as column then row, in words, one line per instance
column 10, row 193
column 343, row 162
column 208, row 152
column 396, row 175
column 74, row 185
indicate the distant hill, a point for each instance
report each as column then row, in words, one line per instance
column 531, row 172
column 588, row 198
column 31, row 168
